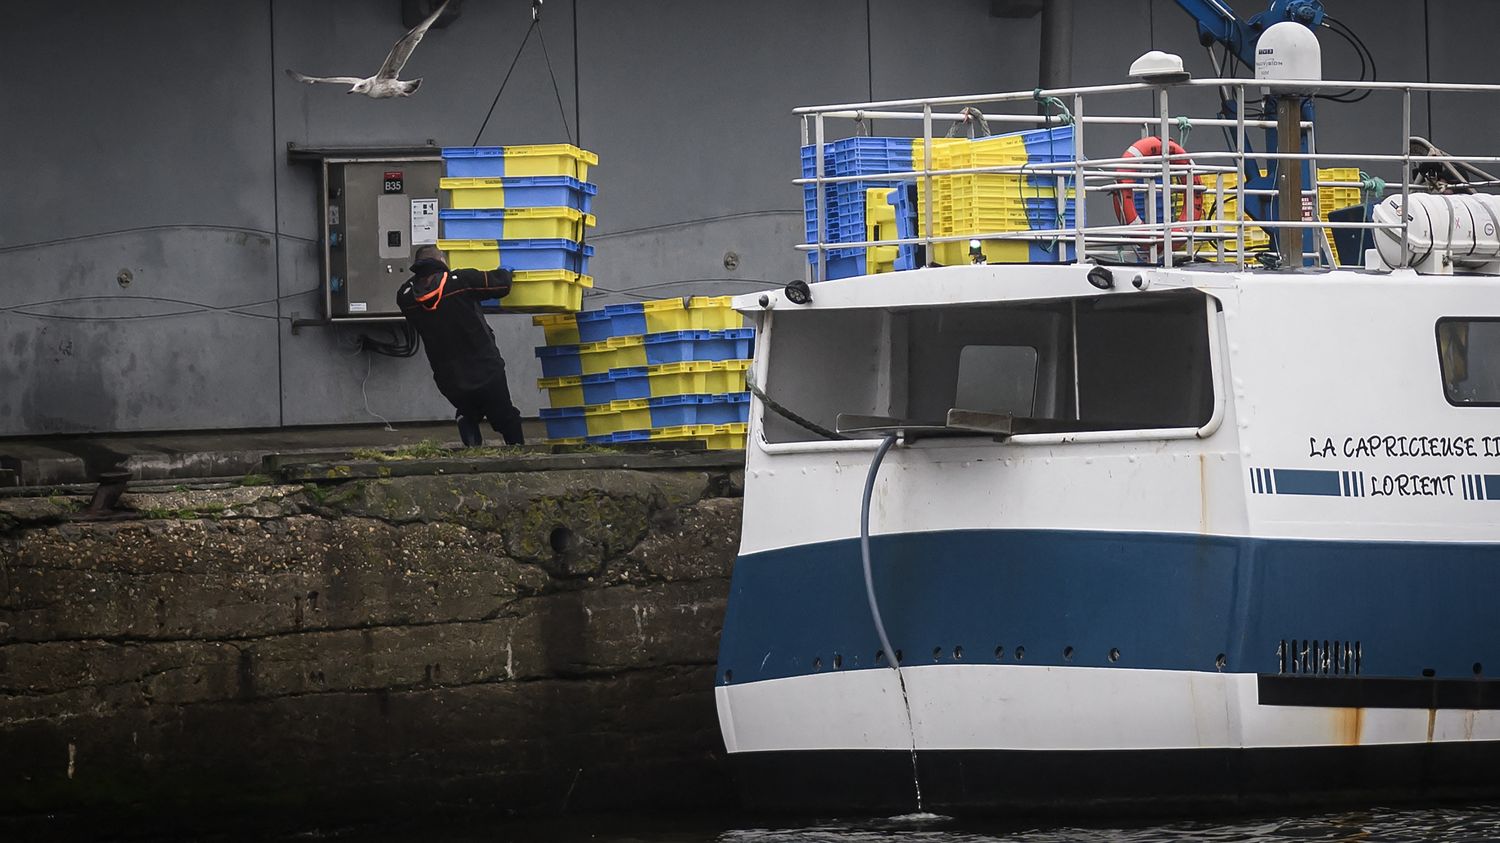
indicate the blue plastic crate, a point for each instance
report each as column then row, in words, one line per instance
column 599, row 389
column 564, row 422
column 621, row 437
column 559, row 361
column 676, row 410
column 616, row 320
column 841, row 263
column 474, row 161
column 728, row 408
column 632, row 382
column 549, row 192
column 678, row 346
column 1055, row 143
column 844, row 202
column 494, row 223
column 728, row 344
column 843, row 212
column 854, row 156
column 679, row 410
column 567, row 255
column 473, row 223
column 538, row 192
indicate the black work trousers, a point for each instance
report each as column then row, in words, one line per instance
column 490, row 400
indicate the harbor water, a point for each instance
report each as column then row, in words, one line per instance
column 1448, row 823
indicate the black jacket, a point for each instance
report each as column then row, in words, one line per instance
column 444, row 306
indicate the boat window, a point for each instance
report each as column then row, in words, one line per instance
column 1106, row 363
column 996, row 379
column 1469, row 354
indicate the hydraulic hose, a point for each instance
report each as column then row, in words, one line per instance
column 864, row 549
column 885, row 641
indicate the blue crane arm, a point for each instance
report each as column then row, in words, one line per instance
column 1217, row 22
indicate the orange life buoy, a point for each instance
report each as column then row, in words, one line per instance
column 1124, row 199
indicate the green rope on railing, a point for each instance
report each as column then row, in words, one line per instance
column 1184, row 128
column 1370, row 186
column 1064, row 115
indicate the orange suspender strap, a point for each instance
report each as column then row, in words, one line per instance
column 436, row 294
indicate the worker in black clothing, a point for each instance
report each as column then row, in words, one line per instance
column 443, row 305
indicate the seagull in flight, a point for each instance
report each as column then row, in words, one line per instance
column 384, row 83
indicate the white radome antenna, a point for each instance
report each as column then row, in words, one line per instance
column 1289, row 52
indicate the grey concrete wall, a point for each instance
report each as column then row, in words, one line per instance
column 156, row 143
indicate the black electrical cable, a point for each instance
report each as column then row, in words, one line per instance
column 1367, row 67
column 407, row 346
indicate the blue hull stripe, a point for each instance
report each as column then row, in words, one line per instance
column 1162, row 600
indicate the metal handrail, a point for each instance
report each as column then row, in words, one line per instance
column 1086, row 176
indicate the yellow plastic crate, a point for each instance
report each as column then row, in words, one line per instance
column 549, row 159
column 697, row 377
column 471, row 254
column 713, row 313
column 981, row 204
column 601, row 420
column 558, row 328
column 880, row 224
column 1256, row 239
column 716, row 437
column 1331, row 199
column 546, row 223
column 613, row 353
column 604, row 419
column 880, row 259
column 956, row 253
column 726, row 376
column 563, row 392
column 957, row 153
column 471, row 193
column 666, row 315
column 995, row 151
column 545, row 290
column 631, row 414
column 519, row 223
column 687, row 378
column 571, row 441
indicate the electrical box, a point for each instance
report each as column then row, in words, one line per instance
column 376, row 212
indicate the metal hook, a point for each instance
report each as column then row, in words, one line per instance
column 536, row 10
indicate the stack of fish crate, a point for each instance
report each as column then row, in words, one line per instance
column 970, row 204
column 844, row 202
column 524, row 208
column 653, row 371
column 1330, row 199
column 983, row 203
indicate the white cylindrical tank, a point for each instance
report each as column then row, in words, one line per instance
column 1467, row 228
column 1289, row 51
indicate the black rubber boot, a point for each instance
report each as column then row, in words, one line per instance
column 468, row 432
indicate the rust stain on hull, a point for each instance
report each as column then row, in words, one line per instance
column 1349, row 726
column 1202, row 494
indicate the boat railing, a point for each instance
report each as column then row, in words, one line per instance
column 1150, row 241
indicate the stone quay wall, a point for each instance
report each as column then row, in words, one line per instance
column 539, row 640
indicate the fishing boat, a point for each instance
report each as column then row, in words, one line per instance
column 1155, row 523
